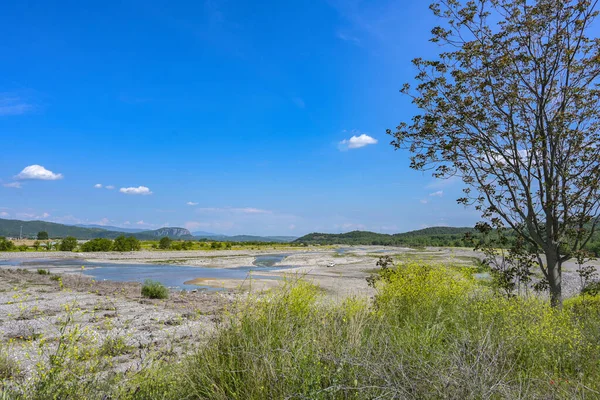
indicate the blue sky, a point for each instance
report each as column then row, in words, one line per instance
column 221, row 116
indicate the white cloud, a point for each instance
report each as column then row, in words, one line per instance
column 15, row 185
column 141, row 190
column 4, row 214
column 292, row 227
column 356, row 142
column 98, row 186
column 126, row 223
column 38, row 172
column 13, row 105
column 348, row 38
column 299, row 102
column 439, row 193
column 424, row 201
column 109, row 187
column 238, row 210
column 191, row 203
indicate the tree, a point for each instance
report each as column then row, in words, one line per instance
column 68, row 244
column 6, row 245
column 36, row 245
column 512, row 107
column 42, row 235
column 99, row 244
column 165, row 243
column 123, row 243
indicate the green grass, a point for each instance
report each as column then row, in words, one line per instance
column 429, row 333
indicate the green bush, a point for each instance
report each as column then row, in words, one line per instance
column 123, row 243
column 99, row 244
column 154, row 290
column 43, row 272
column 68, row 244
column 165, row 243
column 6, row 245
column 592, row 288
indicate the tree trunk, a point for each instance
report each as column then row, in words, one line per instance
column 554, row 279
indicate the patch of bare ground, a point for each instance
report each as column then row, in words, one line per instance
column 38, row 311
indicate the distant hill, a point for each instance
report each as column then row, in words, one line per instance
column 112, row 228
column 205, row 234
column 11, row 228
column 435, row 236
column 178, row 233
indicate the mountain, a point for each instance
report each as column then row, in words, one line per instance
column 111, row 228
column 435, row 236
column 173, row 233
column 203, row 234
column 12, row 228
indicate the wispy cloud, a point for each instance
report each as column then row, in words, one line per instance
column 140, row 190
column 298, row 102
column 98, row 186
column 348, row 38
column 109, row 187
column 38, row 172
column 11, row 104
column 4, row 214
column 242, row 210
column 356, row 142
column 191, row 203
column 14, row 185
column 439, row 193
column 423, row 201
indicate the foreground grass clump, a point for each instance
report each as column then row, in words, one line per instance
column 154, row 290
column 429, row 333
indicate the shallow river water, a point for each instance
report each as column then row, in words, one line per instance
column 172, row 276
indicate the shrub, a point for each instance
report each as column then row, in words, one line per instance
column 6, row 245
column 154, row 290
column 42, row 235
column 591, row 288
column 8, row 368
column 43, row 272
column 123, row 243
column 68, row 244
column 114, row 346
column 165, row 243
column 22, row 247
column 99, row 244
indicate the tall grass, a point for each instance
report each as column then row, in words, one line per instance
column 429, row 333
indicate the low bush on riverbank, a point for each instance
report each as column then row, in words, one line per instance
column 154, row 290
column 430, row 332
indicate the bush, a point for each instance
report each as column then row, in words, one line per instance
column 123, row 243
column 165, row 243
column 6, row 245
column 99, row 244
column 23, row 247
column 68, row 244
column 43, row 272
column 154, row 290
column 42, row 235
column 591, row 288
